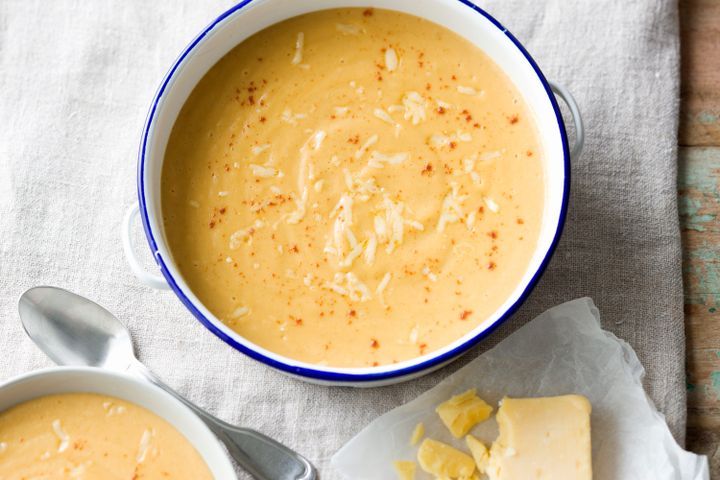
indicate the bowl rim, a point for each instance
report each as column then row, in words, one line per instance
column 340, row 377
column 89, row 372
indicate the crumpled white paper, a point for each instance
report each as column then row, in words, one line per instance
column 562, row 351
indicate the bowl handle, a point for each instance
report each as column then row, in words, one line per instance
column 150, row 279
column 567, row 97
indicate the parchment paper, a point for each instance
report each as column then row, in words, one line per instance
column 562, row 351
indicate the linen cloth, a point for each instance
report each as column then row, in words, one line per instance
column 76, row 80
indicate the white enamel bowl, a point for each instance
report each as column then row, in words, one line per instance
column 250, row 16
column 58, row 380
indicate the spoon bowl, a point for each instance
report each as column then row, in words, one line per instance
column 75, row 331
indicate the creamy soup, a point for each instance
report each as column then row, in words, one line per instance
column 353, row 187
column 92, row 437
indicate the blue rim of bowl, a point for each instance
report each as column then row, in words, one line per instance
column 343, row 376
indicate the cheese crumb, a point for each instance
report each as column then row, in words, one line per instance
column 370, row 249
column 444, row 461
column 489, row 156
column 318, row 139
column 479, row 453
column 383, row 115
column 244, row 235
column 379, row 159
column 464, row 136
column 451, row 210
column 470, row 220
column 355, row 252
column 381, row 288
column 391, row 59
column 417, row 434
column 439, row 140
column 462, row 412
column 262, row 171
column 429, row 274
column 466, row 90
column 240, row 312
column 348, row 29
column 469, row 168
column 78, row 471
column 368, row 143
column 113, row 409
column 300, row 207
column 3, row 447
column 414, row 224
column 380, row 228
column 350, row 286
column 394, row 224
column 144, row 446
column 299, row 43
column 348, row 178
column 494, row 207
column 62, row 435
column 342, row 234
column 258, row 149
column 364, row 188
column 414, row 107
column 289, row 117
column 405, row 469
column 413, row 337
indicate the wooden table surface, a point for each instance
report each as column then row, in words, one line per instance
column 699, row 194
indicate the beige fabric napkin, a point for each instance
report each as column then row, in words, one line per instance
column 76, row 79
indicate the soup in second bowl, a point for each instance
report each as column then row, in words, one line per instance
column 93, row 437
column 353, row 187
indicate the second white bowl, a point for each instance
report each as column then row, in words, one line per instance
column 59, row 380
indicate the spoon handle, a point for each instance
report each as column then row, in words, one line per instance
column 263, row 457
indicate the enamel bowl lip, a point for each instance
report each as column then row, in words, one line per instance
column 339, row 375
column 217, row 460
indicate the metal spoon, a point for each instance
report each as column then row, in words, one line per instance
column 73, row 330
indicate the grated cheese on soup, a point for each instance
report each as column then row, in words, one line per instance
column 343, row 188
column 91, row 436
